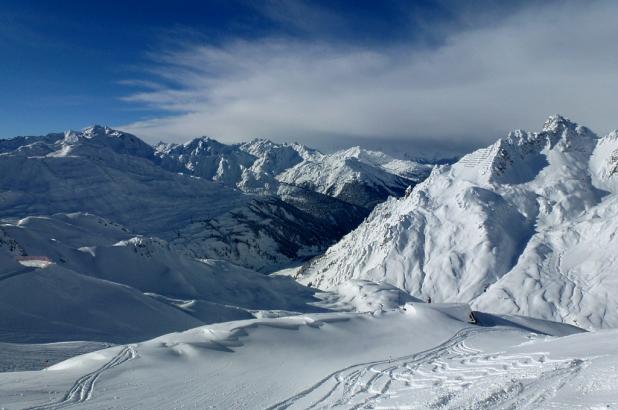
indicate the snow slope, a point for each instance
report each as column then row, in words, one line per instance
column 31, row 356
column 107, row 284
column 524, row 226
column 269, row 232
column 107, row 173
column 58, row 304
column 421, row 357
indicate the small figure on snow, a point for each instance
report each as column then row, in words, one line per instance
column 429, row 299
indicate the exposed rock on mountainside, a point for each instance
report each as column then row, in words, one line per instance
column 361, row 177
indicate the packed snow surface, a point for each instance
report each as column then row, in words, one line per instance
column 420, row 356
column 525, row 226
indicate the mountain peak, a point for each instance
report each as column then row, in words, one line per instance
column 203, row 142
column 556, row 122
column 97, row 129
column 102, row 136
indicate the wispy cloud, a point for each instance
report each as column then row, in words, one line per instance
column 479, row 83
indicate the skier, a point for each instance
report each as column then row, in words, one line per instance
column 429, row 299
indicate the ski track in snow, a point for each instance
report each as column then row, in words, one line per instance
column 456, row 375
column 83, row 389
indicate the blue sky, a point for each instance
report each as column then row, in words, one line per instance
column 69, row 63
column 438, row 73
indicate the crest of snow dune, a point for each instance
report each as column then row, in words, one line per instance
column 366, row 296
column 499, row 229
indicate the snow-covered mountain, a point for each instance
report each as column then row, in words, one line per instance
column 212, row 199
column 526, row 226
column 251, row 166
column 356, row 176
column 361, row 177
column 107, row 173
column 116, row 225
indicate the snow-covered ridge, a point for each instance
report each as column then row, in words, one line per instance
column 94, row 141
column 261, row 165
column 356, row 175
column 173, row 191
column 257, row 166
column 523, row 226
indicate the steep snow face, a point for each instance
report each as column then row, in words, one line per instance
column 206, row 158
column 251, row 166
column 604, row 163
column 269, row 232
column 524, row 226
column 361, row 177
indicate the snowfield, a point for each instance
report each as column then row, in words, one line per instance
column 525, row 226
column 108, row 285
column 419, row 356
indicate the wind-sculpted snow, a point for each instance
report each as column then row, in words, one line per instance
column 420, row 356
column 100, row 270
column 525, row 226
column 364, row 296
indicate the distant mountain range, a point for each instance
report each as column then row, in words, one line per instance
column 104, row 237
column 258, row 204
